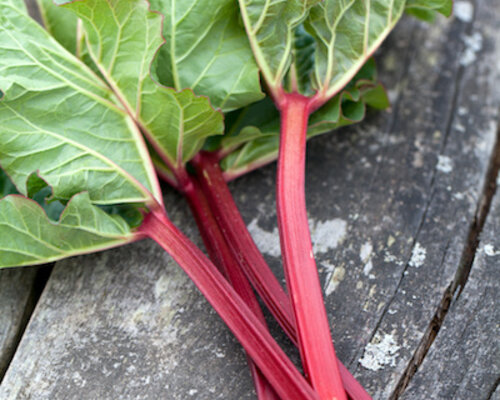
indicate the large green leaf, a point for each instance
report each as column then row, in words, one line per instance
column 29, row 237
column 123, row 37
column 347, row 33
column 58, row 118
column 207, row 50
column 270, row 26
column 61, row 24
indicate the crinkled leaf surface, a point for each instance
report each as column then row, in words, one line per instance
column 60, row 23
column 207, row 50
column 270, row 26
column 123, row 37
column 347, row 32
column 58, row 118
column 29, row 237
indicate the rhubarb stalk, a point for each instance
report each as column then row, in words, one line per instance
column 313, row 330
column 232, row 226
column 241, row 242
column 259, row 344
column 221, row 255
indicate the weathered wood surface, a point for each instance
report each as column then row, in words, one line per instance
column 391, row 203
column 464, row 361
column 16, row 304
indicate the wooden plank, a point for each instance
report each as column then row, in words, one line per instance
column 16, row 304
column 127, row 324
column 466, row 124
column 464, row 361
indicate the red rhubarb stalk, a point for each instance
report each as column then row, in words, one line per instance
column 313, row 330
column 256, row 340
column 221, row 255
column 240, row 240
column 250, row 259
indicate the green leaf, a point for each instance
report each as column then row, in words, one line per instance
column 123, row 37
column 20, row 5
column 270, row 26
column 61, row 24
column 29, row 237
column 347, row 33
column 302, row 67
column 207, row 50
column 426, row 9
column 60, row 119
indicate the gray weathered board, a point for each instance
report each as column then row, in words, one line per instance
column 464, row 361
column 16, row 303
column 391, row 203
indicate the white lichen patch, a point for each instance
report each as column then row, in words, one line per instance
column 391, row 258
column 366, row 251
column 490, row 251
column 367, row 269
column 445, row 164
column 380, row 352
column 473, row 44
column 325, row 236
column 418, row 255
column 334, row 276
column 328, row 235
column 463, row 10
column 267, row 242
column 365, row 254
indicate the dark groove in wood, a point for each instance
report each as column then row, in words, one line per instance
column 463, row 272
column 41, row 278
column 493, row 389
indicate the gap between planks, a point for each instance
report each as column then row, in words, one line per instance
column 453, row 292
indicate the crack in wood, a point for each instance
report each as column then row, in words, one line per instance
column 41, row 277
column 493, row 391
column 454, row 290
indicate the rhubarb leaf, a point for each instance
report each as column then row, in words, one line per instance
column 207, row 50
column 270, row 26
column 60, row 119
column 61, row 24
column 29, row 237
column 299, row 76
column 347, row 33
column 123, row 37
column 427, row 9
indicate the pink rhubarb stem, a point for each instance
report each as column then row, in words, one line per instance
column 259, row 344
column 313, row 330
column 240, row 241
column 251, row 260
column 222, row 257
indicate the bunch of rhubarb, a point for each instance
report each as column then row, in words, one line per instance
column 111, row 95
